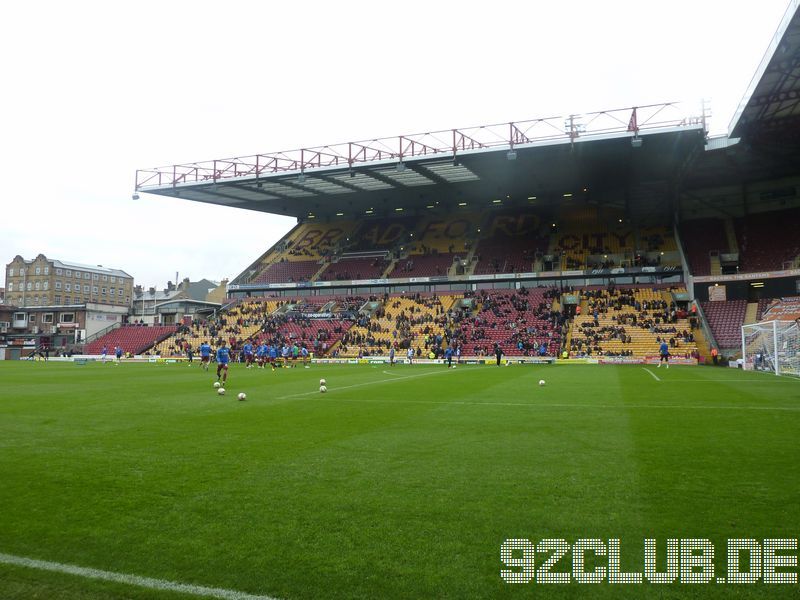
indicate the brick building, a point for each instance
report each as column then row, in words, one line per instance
column 47, row 282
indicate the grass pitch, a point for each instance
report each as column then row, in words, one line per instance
column 398, row 483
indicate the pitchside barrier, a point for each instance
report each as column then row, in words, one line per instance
column 384, row 360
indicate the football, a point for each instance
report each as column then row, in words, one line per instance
column 323, row 389
column 221, row 391
column 323, row 382
column 217, row 384
column 541, row 382
column 242, row 396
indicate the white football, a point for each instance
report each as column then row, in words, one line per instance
column 217, row 384
column 323, row 389
column 242, row 396
column 323, row 382
column 541, row 382
column 221, row 391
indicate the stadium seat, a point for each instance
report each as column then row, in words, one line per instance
column 132, row 339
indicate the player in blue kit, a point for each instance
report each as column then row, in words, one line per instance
column 273, row 355
column 448, row 356
column 664, row 352
column 248, row 354
column 304, row 356
column 205, row 355
column 118, row 354
column 261, row 354
column 223, row 358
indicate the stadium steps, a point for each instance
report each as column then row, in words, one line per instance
column 703, row 345
column 716, row 266
column 389, row 268
column 730, row 233
column 316, row 275
column 469, row 259
column 751, row 314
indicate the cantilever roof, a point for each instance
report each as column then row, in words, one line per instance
column 771, row 104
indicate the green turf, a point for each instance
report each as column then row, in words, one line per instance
column 400, row 485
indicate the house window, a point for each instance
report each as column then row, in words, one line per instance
column 68, row 273
column 58, row 285
column 28, row 286
column 113, row 279
column 119, row 291
column 11, row 272
column 77, row 275
column 46, row 285
column 95, row 276
column 59, row 272
column 20, row 317
column 37, row 285
column 10, row 287
column 47, row 270
column 47, row 318
column 57, row 299
column 94, row 289
column 66, row 318
column 86, row 289
column 32, row 319
column 67, row 287
column 87, row 275
column 103, row 290
column 38, row 270
column 105, row 277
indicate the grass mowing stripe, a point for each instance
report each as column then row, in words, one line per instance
column 146, row 582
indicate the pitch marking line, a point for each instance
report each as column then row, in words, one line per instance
column 356, row 385
column 653, row 375
column 146, row 582
column 534, row 404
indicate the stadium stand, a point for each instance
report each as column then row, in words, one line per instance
column 519, row 321
column 423, row 265
column 355, row 268
column 630, row 323
column 288, row 271
column 767, row 241
column 132, row 339
column 763, row 303
column 701, row 238
column 274, row 320
column 725, row 318
column 417, row 321
column 512, row 243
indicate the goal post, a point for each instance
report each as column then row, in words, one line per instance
column 772, row 346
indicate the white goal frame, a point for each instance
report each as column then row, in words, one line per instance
column 772, row 346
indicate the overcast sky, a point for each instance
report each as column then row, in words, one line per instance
column 91, row 91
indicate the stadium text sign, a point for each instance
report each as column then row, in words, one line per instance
column 687, row 560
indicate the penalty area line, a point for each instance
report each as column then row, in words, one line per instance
column 128, row 579
column 653, row 375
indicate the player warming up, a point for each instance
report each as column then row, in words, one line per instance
column 223, row 358
column 664, row 352
column 205, row 355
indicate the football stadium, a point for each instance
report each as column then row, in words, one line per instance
column 560, row 351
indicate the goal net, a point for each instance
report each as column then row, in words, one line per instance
column 772, row 346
